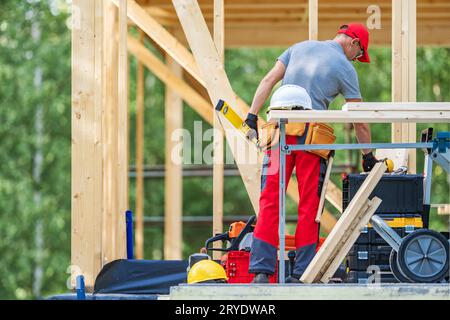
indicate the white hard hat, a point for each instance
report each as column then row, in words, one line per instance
column 290, row 96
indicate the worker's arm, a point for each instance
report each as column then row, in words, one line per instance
column 266, row 85
column 362, row 130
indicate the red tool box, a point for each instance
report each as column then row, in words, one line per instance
column 236, row 267
column 236, row 264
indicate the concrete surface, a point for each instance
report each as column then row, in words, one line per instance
column 311, row 292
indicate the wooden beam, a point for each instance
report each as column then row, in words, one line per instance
column 344, row 229
column 218, row 166
column 338, row 116
column 264, row 34
column 87, row 89
column 396, row 106
column 443, row 209
column 110, row 136
column 173, row 184
column 140, row 90
column 98, row 228
column 170, row 79
column 122, row 131
column 219, row 87
column 313, row 9
column 404, row 69
column 353, row 233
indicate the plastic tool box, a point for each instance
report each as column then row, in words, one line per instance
column 400, row 193
column 360, row 257
column 402, row 224
column 236, row 268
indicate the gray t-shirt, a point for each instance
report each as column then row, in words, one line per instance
column 322, row 68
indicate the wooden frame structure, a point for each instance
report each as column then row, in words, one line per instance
column 100, row 95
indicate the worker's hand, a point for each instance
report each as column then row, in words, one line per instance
column 252, row 122
column 368, row 161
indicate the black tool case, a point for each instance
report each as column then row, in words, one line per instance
column 399, row 193
column 361, row 256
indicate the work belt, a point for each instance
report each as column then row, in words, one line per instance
column 317, row 133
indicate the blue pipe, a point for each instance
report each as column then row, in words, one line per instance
column 129, row 222
column 80, row 288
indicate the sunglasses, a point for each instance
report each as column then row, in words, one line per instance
column 361, row 52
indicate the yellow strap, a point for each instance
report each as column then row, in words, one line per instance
column 403, row 222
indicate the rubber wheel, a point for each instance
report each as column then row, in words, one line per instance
column 395, row 269
column 423, row 256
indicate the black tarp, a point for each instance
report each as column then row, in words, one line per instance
column 140, row 276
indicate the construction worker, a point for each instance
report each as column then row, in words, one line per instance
column 325, row 70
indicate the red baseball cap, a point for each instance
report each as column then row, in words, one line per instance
column 357, row 30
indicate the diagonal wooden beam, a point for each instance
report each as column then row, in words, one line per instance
column 159, row 69
column 180, row 54
column 218, row 86
column 163, row 38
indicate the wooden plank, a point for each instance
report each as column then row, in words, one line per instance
column 442, row 209
column 122, row 131
column 173, row 184
column 396, row 106
column 170, row 79
column 86, row 166
column 110, row 133
column 140, row 91
column 266, row 34
column 338, row 116
column 412, row 78
column 313, row 9
column 218, row 166
column 351, row 237
column 404, row 69
column 329, row 249
column 246, row 155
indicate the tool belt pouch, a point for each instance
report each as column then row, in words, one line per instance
column 295, row 129
column 269, row 136
column 320, row 133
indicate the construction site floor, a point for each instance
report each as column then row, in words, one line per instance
column 238, row 292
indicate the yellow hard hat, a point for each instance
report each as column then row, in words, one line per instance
column 206, row 270
column 390, row 165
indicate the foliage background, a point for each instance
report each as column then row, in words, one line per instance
column 20, row 56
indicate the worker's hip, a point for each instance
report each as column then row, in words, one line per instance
column 306, row 133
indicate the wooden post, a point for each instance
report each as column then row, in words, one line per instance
column 122, row 129
column 218, row 166
column 313, row 8
column 86, row 133
column 173, row 188
column 140, row 157
column 404, row 68
column 109, row 131
column 98, row 226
